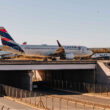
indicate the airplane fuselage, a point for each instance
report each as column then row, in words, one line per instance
column 46, row 50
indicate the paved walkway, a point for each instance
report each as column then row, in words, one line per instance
column 86, row 97
column 12, row 105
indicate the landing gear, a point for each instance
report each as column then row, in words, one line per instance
column 45, row 59
column 53, row 59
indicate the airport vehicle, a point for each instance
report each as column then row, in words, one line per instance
column 42, row 51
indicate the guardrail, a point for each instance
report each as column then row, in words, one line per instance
column 48, row 101
column 34, row 62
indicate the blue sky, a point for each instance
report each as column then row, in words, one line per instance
column 72, row 22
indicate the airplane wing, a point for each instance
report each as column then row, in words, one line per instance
column 59, row 52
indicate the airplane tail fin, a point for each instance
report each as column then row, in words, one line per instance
column 7, row 40
column 24, row 43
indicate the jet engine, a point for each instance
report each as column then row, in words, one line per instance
column 69, row 56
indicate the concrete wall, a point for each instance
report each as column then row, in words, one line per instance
column 19, row 79
column 103, row 73
column 70, row 75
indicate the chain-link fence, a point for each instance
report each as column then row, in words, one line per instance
column 48, row 101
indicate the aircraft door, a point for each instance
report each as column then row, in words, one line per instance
column 82, row 49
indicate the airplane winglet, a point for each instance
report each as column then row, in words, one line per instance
column 59, row 44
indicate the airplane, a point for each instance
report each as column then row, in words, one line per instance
column 42, row 51
column 8, row 55
column 5, row 55
column 101, row 56
column 24, row 43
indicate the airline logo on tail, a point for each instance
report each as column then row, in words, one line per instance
column 8, row 41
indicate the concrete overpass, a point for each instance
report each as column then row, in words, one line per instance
column 19, row 73
column 38, row 65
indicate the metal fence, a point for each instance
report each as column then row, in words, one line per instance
column 48, row 101
column 4, row 107
column 100, row 89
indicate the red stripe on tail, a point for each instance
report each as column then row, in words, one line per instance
column 3, row 30
column 5, row 39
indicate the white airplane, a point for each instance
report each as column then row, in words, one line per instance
column 101, row 56
column 5, row 54
column 42, row 51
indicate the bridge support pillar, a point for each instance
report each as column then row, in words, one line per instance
column 27, row 80
column 30, row 75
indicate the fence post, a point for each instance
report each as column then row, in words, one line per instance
column 40, row 100
column 84, row 87
column 21, row 95
column 75, row 105
column 79, row 86
column 52, row 103
column 0, row 90
column 7, row 94
column 66, row 84
column 54, row 83
column 62, row 84
column 90, row 88
column 60, row 104
column 30, row 97
column 58, row 83
column 34, row 103
column 51, row 82
column 71, row 85
column 9, row 91
column 25, row 96
column 8, row 108
column 84, row 107
column 75, row 86
column 2, row 107
column 67, row 104
column 108, row 90
column 35, row 98
column 93, row 107
column 16, row 93
column 101, row 89
column 13, row 92
column 104, row 109
column 46, row 101
column 4, row 90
